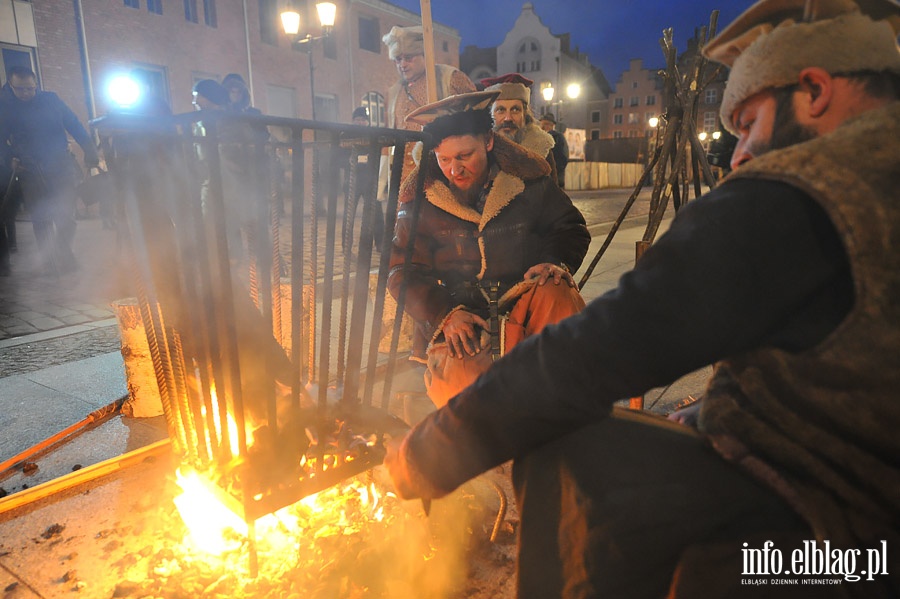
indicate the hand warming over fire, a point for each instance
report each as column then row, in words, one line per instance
column 408, row 481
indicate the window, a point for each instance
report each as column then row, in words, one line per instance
column 617, row 135
column 632, row 118
column 595, row 116
column 327, row 108
column 528, row 57
column 369, row 35
column 375, row 103
column 648, row 116
column 634, row 84
column 618, row 119
column 619, row 103
column 154, row 6
column 445, row 46
column 133, row 3
column 190, row 11
column 153, row 79
column 595, row 133
column 712, row 96
column 268, row 23
column 635, row 101
column 280, row 101
column 651, row 100
column 709, row 121
column 209, row 13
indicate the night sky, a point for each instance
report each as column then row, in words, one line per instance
column 611, row 32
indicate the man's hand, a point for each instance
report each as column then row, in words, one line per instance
column 687, row 416
column 461, row 333
column 545, row 271
column 399, row 469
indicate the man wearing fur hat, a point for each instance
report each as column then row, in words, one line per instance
column 406, row 47
column 512, row 116
column 787, row 277
column 495, row 240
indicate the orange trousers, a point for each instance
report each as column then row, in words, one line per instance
column 537, row 307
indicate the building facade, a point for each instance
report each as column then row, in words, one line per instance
column 531, row 49
column 78, row 46
column 636, row 98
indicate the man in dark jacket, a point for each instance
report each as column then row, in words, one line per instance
column 787, row 276
column 560, row 147
column 35, row 124
column 496, row 240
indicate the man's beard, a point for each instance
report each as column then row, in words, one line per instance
column 786, row 131
column 510, row 132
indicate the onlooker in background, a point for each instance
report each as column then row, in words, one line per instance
column 234, row 139
column 406, row 47
column 560, row 148
column 239, row 101
column 513, row 119
column 363, row 187
column 35, row 124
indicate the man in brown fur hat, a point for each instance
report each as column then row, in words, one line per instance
column 787, row 277
column 512, row 116
column 496, row 240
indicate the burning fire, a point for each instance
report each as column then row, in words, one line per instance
column 214, row 529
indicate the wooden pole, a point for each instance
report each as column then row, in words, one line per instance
column 428, row 38
column 84, row 475
column 94, row 417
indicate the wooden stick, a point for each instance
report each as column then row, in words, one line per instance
column 95, row 416
column 428, row 38
column 84, row 475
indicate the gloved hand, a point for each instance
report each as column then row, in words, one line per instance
column 408, row 481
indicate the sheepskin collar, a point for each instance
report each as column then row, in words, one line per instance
column 517, row 165
column 536, row 139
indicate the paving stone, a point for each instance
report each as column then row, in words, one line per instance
column 27, row 315
column 75, row 318
column 18, row 330
column 97, row 313
column 45, row 323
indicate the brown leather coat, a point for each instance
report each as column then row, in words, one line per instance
column 527, row 220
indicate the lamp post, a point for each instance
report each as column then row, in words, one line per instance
column 290, row 22
column 573, row 90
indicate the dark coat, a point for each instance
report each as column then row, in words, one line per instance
column 526, row 220
column 37, row 131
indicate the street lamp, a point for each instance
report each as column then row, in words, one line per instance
column 573, row 90
column 290, row 22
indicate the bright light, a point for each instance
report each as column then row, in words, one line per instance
column 548, row 92
column 653, row 122
column 290, row 22
column 123, row 91
column 702, row 136
column 573, row 90
column 207, row 519
column 717, row 134
column 327, row 12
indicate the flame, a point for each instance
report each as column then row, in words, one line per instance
column 216, row 422
column 215, row 530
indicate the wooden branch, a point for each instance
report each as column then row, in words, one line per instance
column 83, row 475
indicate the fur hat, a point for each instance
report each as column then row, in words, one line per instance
column 233, row 80
column 511, row 86
column 212, row 91
column 462, row 114
column 404, row 40
column 548, row 117
column 771, row 42
column 360, row 112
